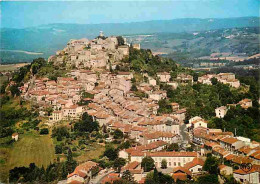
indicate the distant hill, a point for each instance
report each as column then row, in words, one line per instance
column 49, row 38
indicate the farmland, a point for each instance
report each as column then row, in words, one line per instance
column 29, row 148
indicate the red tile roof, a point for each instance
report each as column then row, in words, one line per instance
column 179, row 176
column 181, row 170
column 242, row 172
column 194, row 162
column 165, row 154
column 229, row 140
column 82, row 168
column 130, row 166
column 110, row 178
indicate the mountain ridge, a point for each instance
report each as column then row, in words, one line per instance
column 51, row 37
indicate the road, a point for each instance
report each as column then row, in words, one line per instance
column 184, row 135
column 99, row 178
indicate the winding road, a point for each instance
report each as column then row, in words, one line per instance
column 99, row 178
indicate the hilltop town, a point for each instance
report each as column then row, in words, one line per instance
column 133, row 103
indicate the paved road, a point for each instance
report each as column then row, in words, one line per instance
column 98, row 178
column 184, row 135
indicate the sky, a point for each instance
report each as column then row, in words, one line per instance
column 21, row 14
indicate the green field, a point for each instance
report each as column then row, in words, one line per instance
column 93, row 153
column 3, row 79
column 29, row 148
column 32, row 148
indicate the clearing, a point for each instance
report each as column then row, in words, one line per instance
column 28, row 149
column 93, row 153
column 32, row 148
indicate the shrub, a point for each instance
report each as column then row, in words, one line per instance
column 101, row 141
column 58, row 149
column 44, row 131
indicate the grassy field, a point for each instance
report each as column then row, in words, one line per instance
column 32, row 148
column 3, row 79
column 12, row 67
column 94, row 152
column 29, row 148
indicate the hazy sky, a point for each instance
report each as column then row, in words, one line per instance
column 15, row 14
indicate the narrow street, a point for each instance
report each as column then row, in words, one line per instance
column 184, row 135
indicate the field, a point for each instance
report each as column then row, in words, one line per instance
column 94, row 152
column 3, row 79
column 29, row 148
column 11, row 67
column 32, row 148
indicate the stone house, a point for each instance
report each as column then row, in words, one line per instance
column 195, row 166
column 56, row 116
column 135, row 169
column 244, row 177
column 196, row 122
column 173, row 84
column 168, row 137
column 137, row 46
column 124, row 49
column 184, row 78
column 15, row 136
column 225, row 170
column 231, row 143
column 246, row 103
column 158, row 95
column 73, row 111
column 151, row 81
column 82, row 173
column 164, row 76
column 173, row 159
column 221, row 111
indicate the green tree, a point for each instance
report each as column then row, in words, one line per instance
column 164, row 164
column 70, row 163
column 230, row 180
column 125, row 145
column 156, row 175
column 86, row 124
column 147, row 163
column 118, row 134
column 119, row 163
column 44, row 131
column 211, row 165
column 120, row 40
column 208, row 179
column 110, row 152
column 127, row 176
column 58, row 149
column 133, row 88
column 164, row 106
column 14, row 90
column 214, row 81
column 137, row 65
column 173, row 147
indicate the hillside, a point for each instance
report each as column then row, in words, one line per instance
column 47, row 39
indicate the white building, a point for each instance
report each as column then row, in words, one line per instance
column 250, row 177
column 174, row 159
column 221, row 111
column 15, row 136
